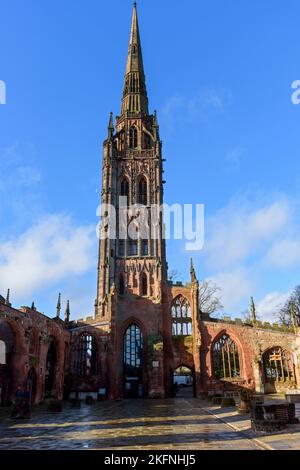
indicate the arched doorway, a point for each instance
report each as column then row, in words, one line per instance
column 50, row 370
column 278, row 370
column 133, row 345
column 183, row 380
column 7, row 347
column 31, row 384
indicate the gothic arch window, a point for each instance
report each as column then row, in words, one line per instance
column 278, row 365
column 121, row 249
column 133, row 138
column 121, row 285
column 84, row 356
column 124, row 188
column 133, row 248
column 226, row 362
column 7, row 344
column 133, row 349
column 133, row 235
column 144, row 284
column 181, row 317
column 142, row 192
column 145, row 248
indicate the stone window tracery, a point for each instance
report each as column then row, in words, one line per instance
column 84, row 356
column 133, row 138
column 181, row 317
column 142, row 192
column 278, row 365
column 226, row 363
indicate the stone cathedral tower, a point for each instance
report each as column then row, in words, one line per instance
column 133, row 271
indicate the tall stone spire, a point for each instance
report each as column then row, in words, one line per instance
column 135, row 100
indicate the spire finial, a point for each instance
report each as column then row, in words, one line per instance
column 7, row 301
column 111, row 128
column 67, row 314
column 33, row 306
column 58, row 306
column 252, row 310
column 192, row 271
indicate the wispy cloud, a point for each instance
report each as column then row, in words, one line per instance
column 236, row 285
column 269, row 305
column 198, row 106
column 248, row 243
column 239, row 231
column 52, row 250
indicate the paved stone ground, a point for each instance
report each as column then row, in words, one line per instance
column 281, row 440
column 174, row 424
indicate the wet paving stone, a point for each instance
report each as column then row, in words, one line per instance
column 174, row 424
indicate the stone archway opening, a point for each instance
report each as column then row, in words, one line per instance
column 51, row 362
column 183, row 382
column 133, row 362
column 278, row 370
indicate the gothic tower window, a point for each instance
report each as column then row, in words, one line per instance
column 133, row 248
column 142, row 192
column 133, row 138
column 121, row 285
column 145, row 248
column 181, row 317
column 121, row 251
column 84, row 356
column 144, row 282
column 124, row 188
column 278, row 365
column 226, row 362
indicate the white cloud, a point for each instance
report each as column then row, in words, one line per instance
column 236, row 285
column 188, row 108
column 50, row 251
column 239, row 231
column 267, row 308
column 283, row 254
column 250, row 242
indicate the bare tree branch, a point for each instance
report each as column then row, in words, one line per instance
column 209, row 298
column 284, row 312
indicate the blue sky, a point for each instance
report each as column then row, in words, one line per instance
column 218, row 73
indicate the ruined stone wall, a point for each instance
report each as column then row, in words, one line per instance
column 252, row 343
column 33, row 333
